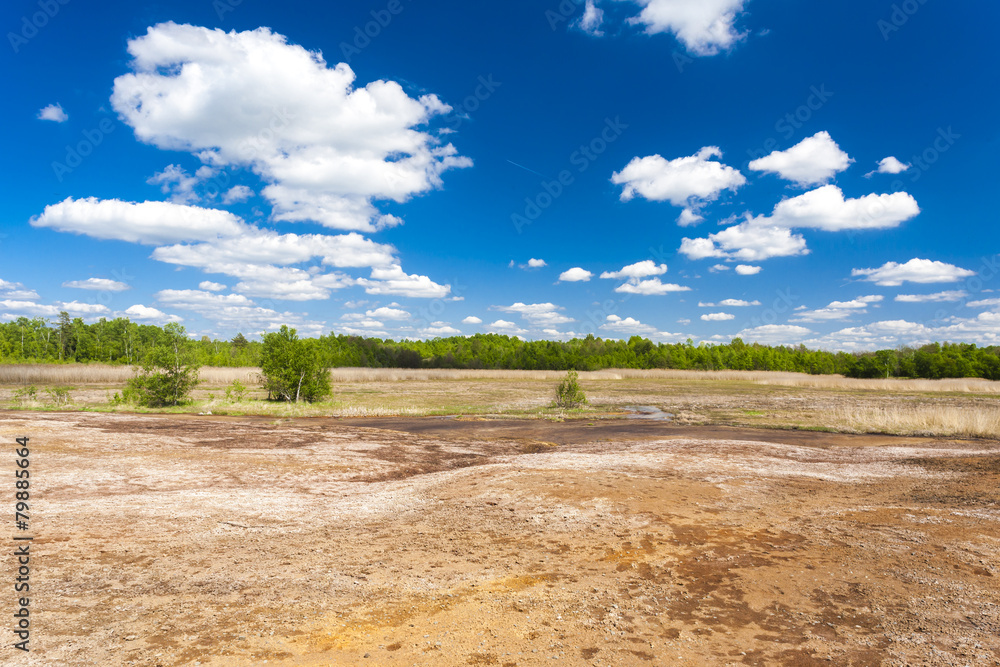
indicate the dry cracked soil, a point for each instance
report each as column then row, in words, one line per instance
column 187, row 540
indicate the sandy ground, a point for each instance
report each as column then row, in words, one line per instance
column 186, row 540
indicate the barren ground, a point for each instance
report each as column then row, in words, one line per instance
column 182, row 540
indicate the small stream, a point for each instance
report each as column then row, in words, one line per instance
column 647, row 412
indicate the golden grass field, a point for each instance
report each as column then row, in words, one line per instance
column 955, row 407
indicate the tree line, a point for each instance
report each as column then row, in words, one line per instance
column 121, row 341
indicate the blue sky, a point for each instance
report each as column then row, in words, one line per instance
column 817, row 173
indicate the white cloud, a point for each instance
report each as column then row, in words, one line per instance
column 590, row 22
column 838, row 310
column 747, row 270
column 536, row 263
column 472, row 319
column 53, row 112
column 176, row 182
column 717, row 317
column 237, row 193
column 983, row 303
column 30, row 308
column 704, row 27
column 209, row 286
column 250, row 99
column 235, row 311
column 825, row 208
column 643, row 269
column 17, row 291
column 102, row 284
column 749, row 241
column 387, row 313
column 575, row 275
column 729, row 303
column 774, row 334
column 439, row 329
column 937, row 297
column 505, row 327
column 891, row 165
column 651, row 287
column 717, row 268
column 393, row 280
column 690, row 182
column 540, row 314
column 813, row 160
column 892, row 274
column 141, row 312
column 627, row 326
column 149, row 223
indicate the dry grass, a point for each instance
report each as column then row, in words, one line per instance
column 103, row 374
column 977, row 422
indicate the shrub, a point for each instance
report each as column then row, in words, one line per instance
column 291, row 369
column 568, row 393
column 168, row 373
column 236, row 392
column 25, row 394
column 58, row 395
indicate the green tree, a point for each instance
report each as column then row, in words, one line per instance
column 568, row 393
column 168, row 372
column 292, row 369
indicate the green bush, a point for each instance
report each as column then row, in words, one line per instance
column 168, row 373
column 29, row 393
column 291, row 369
column 58, row 395
column 236, row 392
column 568, row 393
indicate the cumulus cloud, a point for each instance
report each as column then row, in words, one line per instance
column 101, row 284
column 689, row 182
column 17, row 291
column 774, row 334
column 387, row 313
column 237, row 193
column 717, row 317
column 813, row 160
column 393, row 280
column 643, row 269
column 176, row 182
column 439, row 329
column 147, row 314
column 53, row 112
column 575, row 275
column 530, row 264
column 326, row 148
column 472, row 319
column 838, row 310
column 651, row 287
column 749, row 241
column 890, row 165
column 505, row 327
column 983, row 303
column 747, row 270
column 209, row 286
column 937, row 297
column 892, row 274
column 235, row 311
column 626, row 326
column 729, row 303
column 541, row 314
column 591, row 20
column 149, row 223
column 33, row 309
column 704, row 27
column 825, row 208
column 717, row 268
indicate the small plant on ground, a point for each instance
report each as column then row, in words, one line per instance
column 58, row 395
column 236, row 392
column 568, row 393
column 26, row 394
